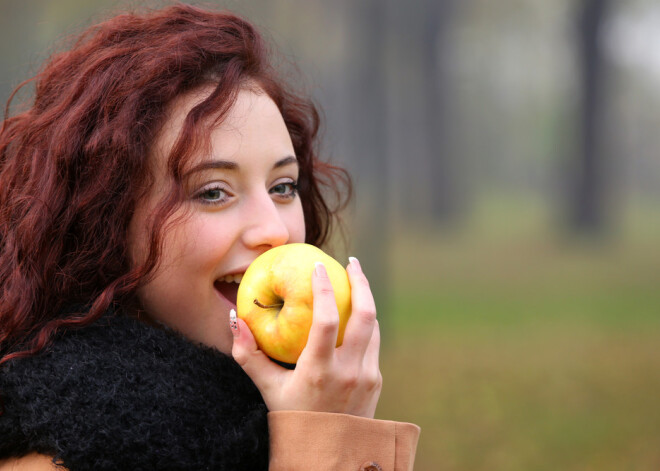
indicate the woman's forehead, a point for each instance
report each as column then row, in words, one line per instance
column 253, row 120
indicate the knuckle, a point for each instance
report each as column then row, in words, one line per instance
column 328, row 325
column 374, row 382
column 367, row 314
column 317, row 380
column 365, row 310
column 326, row 290
column 240, row 357
column 350, row 380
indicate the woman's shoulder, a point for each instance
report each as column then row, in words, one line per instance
column 119, row 385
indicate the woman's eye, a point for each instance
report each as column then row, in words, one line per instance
column 212, row 195
column 285, row 190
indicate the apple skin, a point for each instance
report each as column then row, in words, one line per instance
column 280, row 280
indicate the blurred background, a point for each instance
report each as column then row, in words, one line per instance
column 507, row 207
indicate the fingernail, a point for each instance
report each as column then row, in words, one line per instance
column 355, row 262
column 320, row 269
column 233, row 323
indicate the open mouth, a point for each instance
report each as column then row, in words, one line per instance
column 227, row 286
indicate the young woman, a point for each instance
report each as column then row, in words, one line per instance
column 161, row 156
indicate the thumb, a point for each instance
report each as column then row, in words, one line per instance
column 261, row 370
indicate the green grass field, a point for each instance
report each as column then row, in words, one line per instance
column 518, row 349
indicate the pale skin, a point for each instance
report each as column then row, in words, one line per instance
column 242, row 202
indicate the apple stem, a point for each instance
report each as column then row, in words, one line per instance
column 263, row 306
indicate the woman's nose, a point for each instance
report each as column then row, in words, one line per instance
column 265, row 225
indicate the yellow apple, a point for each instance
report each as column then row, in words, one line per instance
column 275, row 298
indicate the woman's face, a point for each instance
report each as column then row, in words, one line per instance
column 241, row 200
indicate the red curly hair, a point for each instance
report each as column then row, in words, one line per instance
column 74, row 164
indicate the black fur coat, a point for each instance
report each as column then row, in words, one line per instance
column 123, row 395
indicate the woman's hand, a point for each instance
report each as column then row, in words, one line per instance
column 346, row 379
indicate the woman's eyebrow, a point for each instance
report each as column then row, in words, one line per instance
column 231, row 165
column 212, row 165
column 288, row 160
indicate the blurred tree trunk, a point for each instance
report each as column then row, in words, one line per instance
column 444, row 178
column 589, row 207
column 421, row 91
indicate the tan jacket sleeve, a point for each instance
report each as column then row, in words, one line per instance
column 324, row 441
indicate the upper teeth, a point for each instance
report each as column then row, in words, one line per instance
column 231, row 278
